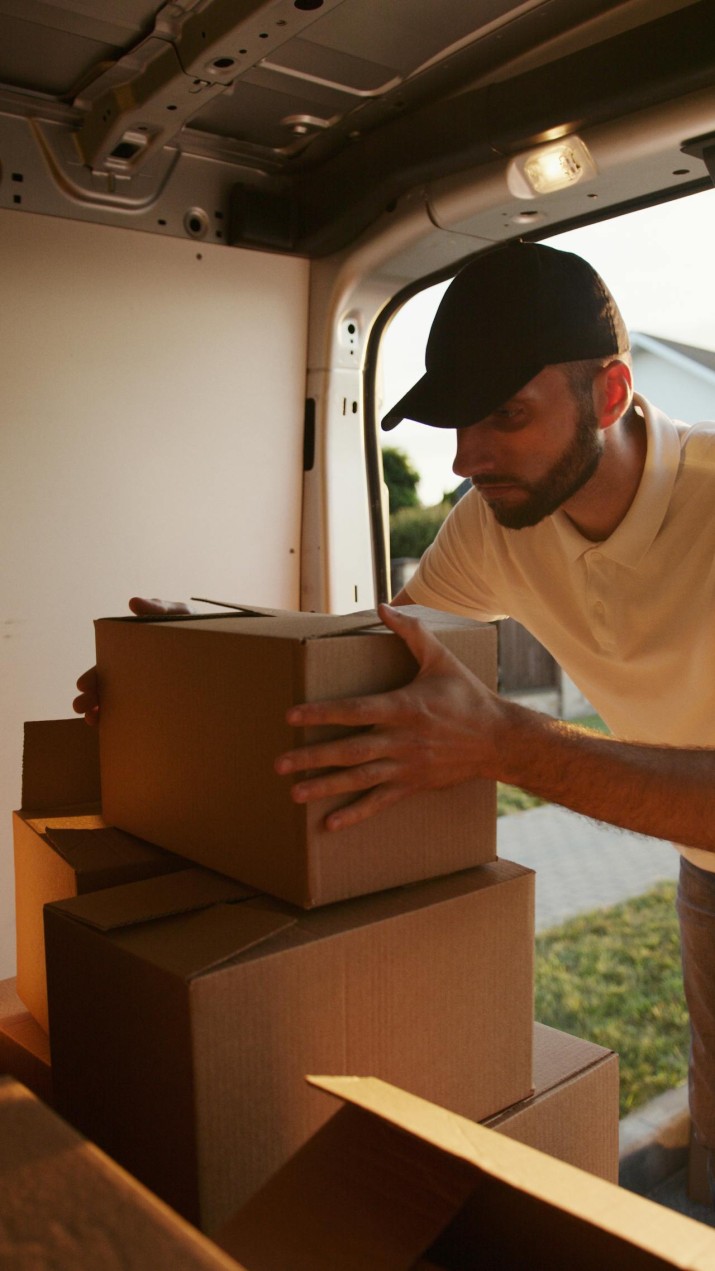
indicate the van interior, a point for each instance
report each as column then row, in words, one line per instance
column 210, row 210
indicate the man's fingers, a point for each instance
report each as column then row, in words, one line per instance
column 87, row 701
column 86, row 704
column 362, row 809
column 343, row 752
column 144, row 607
column 87, row 682
column 422, row 643
column 344, row 781
column 351, row 712
column 91, row 713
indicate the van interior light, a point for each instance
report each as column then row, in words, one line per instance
column 550, row 167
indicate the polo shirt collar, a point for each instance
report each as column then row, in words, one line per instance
column 630, row 541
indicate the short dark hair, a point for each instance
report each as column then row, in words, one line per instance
column 580, row 375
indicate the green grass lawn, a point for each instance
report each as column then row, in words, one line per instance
column 613, row 977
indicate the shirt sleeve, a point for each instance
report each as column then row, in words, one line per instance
column 453, row 573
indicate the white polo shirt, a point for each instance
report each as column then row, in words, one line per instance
column 632, row 618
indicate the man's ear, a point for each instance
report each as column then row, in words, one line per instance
column 612, row 392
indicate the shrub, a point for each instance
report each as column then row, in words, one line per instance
column 412, row 529
column 401, row 479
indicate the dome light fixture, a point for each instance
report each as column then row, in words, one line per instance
column 553, row 166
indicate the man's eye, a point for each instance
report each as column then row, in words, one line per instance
column 509, row 412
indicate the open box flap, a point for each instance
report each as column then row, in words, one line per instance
column 302, row 624
column 213, row 921
column 200, row 942
column 129, row 904
column 335, row 624
column 108, row 848
column 278, row 623
column 250, row 611
column 679, row 1241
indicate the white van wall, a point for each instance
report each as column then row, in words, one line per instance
column 152, row 427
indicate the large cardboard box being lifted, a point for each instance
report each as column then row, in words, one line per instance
column 62, row 845
column 64, row 1206
column 193, row 718
column 393, row 1183
column 185, row 1012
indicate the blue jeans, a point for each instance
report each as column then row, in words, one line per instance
column 696, row 910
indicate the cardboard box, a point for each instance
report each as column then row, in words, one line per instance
column 573, row 1112
column 193, row 718
column 392, row 1182
column 185, row 1012
column 65, row 1206
column 24, row 1046
column 62, row 845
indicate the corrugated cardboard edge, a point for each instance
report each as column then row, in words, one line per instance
column 558, row 1057
column 564, row 1188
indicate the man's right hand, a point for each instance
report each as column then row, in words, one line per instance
column 87, row 703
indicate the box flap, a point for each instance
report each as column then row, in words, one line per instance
column 594, row 1203
column 106, row 848
column 152, row 898
column 60, row 764
column 329, row 624
column 305, row 624
column 249, row 610
column 202, row 941
column 358, row 1194
column 279, row 624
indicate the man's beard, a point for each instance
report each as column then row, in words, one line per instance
column 575, row 467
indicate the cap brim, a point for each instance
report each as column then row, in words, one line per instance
column 444, row 406
column 425, row 404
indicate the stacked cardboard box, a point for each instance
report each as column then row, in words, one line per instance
column 62, row 845
column 186, row 1008
column 208, row 1000
column 185, row 1012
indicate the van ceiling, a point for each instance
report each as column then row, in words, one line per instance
column 292, row 124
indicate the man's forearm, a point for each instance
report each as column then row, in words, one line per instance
column 660, row 791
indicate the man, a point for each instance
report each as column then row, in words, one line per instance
column 591, row 522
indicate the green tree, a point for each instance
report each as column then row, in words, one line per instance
column 400, row 478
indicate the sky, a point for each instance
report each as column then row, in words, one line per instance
column 660, row 265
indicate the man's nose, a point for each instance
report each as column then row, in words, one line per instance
column 471, row 453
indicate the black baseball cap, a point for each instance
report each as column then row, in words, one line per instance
column 506, row 316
